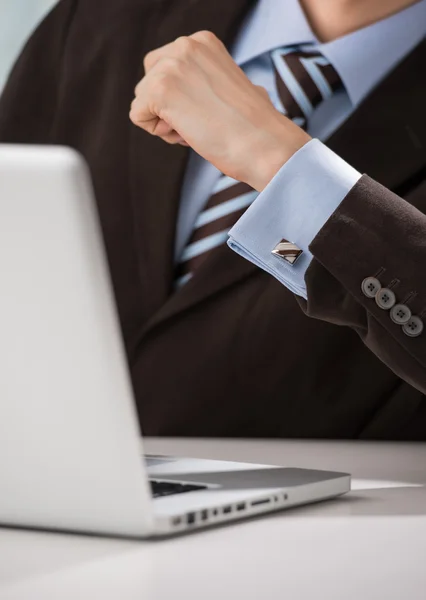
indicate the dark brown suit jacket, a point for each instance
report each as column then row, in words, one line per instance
column 234, row 353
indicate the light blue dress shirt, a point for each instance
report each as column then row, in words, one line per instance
column 293, row 205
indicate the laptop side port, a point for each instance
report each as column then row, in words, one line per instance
column 204, row 515
column 241, row 506
column 262, row 501
column 226, row 510
column 190, row 518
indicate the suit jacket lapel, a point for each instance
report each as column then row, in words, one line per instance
column 156, row 168
column 385, row 138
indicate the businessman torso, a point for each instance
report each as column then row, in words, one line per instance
column 232, row 354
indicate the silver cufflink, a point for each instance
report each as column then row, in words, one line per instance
column 287, row 251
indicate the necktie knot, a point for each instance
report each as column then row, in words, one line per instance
column 304, row 79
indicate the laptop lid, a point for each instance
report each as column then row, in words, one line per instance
column 70, row 455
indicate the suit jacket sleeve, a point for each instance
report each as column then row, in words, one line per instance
column 373, row 231
column 29, row 100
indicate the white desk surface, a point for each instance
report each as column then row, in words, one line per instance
column 369, row 544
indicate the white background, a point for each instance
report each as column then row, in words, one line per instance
column 18, row 18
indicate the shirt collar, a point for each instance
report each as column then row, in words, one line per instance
column 271, row 24
column 362, row 58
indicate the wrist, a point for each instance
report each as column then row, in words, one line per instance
column 273, row 152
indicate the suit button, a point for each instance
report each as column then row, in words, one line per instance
column 414, row 327
column 400, row 314
column 370, row 287
column 385, row 299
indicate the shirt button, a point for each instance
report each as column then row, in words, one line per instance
column 370, row 287
column 414, row 327
column 385, row 299
column 400, row 314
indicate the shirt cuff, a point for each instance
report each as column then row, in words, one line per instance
column 294, row 206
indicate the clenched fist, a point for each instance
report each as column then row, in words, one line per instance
column 193, row 93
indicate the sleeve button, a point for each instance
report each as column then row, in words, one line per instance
column 385, row 299
column 370, row 286
column 400, row 314
column 414, row 327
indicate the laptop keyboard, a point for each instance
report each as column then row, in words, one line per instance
column 167, row 488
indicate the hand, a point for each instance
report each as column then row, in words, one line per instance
column 193, row 93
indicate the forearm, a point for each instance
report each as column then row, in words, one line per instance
column 374, row 232
column 359, row 230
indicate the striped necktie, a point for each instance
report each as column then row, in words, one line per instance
column 304, row 79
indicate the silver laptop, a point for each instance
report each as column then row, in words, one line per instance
column 71, row 453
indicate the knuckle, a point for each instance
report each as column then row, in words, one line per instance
column 170, row 69
column 172, row 64
column 207, row 37
column 185, row 45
